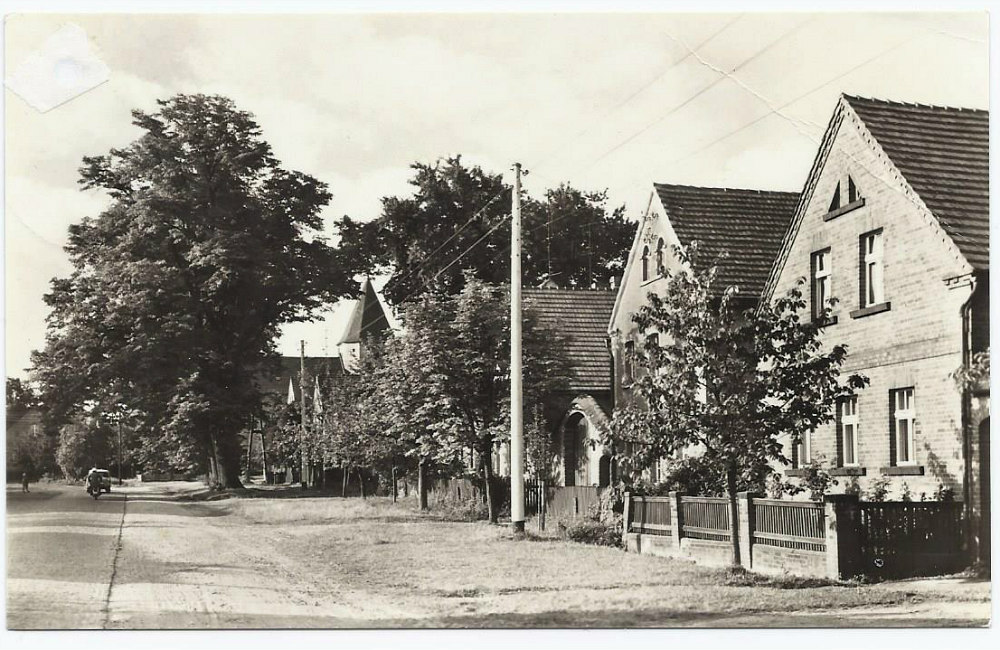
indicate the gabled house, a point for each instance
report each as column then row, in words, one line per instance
column 745, row 225
column 893, row 223
column 579, row 413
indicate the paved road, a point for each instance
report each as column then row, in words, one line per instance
column 61, row 548
column 139, row 559
column 68, row 565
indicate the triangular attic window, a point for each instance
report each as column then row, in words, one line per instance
column 835, row 203
column 852, row 191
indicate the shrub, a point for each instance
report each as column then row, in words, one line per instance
column 816, row 480
column 589, row 531
column 603, row 523
column 878, row 490
column 462, row 509
column 853, row 487
column 944, row 493
column 905, row 494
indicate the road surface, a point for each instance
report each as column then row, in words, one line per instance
column 142, row 558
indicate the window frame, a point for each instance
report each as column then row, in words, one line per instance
column 645, row 263
column 803, row 450
column 826, row 275
column 628, row 367
column 908, row 415
column 872, row 260
column 660, row 267
column 849, row 420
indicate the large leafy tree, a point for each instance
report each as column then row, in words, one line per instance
column 730, row 381
column 20, row 395
column 178, row 288
column 456, row 220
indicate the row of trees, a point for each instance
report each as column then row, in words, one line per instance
column 207, row 246
column 437, row 395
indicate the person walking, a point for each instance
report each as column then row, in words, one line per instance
column 24, row 482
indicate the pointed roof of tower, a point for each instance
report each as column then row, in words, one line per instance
column 368, row 318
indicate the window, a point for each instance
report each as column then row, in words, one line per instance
column 901, row 419
column 820, row 282
column 872, row 290
column 627, row 360
column 802, row 453
column 659, row 257
column 846, row 198
column 847, row 421
column 645, row 263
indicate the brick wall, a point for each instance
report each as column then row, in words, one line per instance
column 917, row 342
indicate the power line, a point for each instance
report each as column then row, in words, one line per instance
column 773, row 111
column 547, row 157
column 454, row 261
column 423, row 262
column 693, row 97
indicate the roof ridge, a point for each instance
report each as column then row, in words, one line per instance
column 721, row 189
column 890, row 102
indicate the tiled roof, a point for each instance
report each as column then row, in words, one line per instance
column 944, row 155
column 582, row 316
column 747, row 225
column 276, row 378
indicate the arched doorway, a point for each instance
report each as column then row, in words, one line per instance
column 605, row 471
column 574, row 451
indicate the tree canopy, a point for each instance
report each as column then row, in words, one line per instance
column 179, row 286
column 456, row 220
column 20, row 395
column 731, row 383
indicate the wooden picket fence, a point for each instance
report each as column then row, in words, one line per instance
column 789, row 524
column 705, row 518
column 650, row 516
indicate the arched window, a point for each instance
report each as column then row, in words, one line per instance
column 659, row 257
column 645, row 263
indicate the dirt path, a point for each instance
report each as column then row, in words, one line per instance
column 158, row 561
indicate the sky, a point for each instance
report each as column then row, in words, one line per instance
column 603, row 101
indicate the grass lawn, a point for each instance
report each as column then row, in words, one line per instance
column 474, row 574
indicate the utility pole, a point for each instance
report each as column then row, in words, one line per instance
column 302, row 405
column 119, row 450
column 516, row 405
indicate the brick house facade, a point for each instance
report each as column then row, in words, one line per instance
column 893, row 224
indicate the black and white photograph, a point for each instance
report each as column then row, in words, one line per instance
column 548, row 316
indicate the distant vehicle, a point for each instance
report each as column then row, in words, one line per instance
column 101, row 482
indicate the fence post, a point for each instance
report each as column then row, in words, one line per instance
column 745, row 527
column 843, row 537
column 541, row 505
column 676, row 518
column 626, row 514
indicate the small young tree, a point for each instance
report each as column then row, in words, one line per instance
column 461, row 372
column 728, row 380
